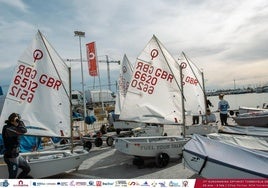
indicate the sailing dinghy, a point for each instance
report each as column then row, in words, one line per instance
column 137, row 128
column 195, row 97
column 125, row 73
column 154, row 96
column 257, row 119
column 40, row 93
column 213, row 159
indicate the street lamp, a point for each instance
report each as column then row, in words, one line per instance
column 82, row 34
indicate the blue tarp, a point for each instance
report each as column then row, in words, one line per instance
column 90, row 119
column 27, row 144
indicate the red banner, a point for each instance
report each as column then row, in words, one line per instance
column 92, row 60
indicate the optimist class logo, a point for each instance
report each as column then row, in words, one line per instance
column 37, row 55
column 183, row 65
column 154, row 53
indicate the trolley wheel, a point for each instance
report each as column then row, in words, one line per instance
column 110, row 141
column 87, row 145
column 138, row 161
column 118, row 131
column 162, row 160
column 98, row 142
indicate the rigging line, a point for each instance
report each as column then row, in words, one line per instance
column 158, row 43
column 28, row 64
column 65, row 90
column 180, row 88
column 148, row 62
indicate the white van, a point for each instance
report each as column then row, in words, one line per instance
column 77, row 98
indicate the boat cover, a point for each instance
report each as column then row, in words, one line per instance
column 244, row 130
column 236, row 157
column 251, row 142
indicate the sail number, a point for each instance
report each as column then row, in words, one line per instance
column 146, row 77
column 143, row 82
column 27, row 81
column 24, row 85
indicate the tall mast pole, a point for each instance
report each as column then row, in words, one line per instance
column 82, row 34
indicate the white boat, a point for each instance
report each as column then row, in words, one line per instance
column 154, row 96
column 195, row 97
column 213, row 159
column 244, row 109
column 125, row 73
column 40, row 93
column 251, row 142
column 162, row 148
column 257, row 118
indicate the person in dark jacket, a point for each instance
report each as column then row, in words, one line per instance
column 11, row 137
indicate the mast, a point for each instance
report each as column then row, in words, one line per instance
column 71, row 113
column 182, row 104
column 204, row 90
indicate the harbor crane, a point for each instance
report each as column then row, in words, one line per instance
column 101, row 61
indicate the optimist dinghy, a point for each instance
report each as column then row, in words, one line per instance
column 213, row 159
column 40, row 93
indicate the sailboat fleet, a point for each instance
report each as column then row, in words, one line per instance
column 157, row 91
column 178, row 89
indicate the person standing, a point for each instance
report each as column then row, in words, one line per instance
column 223, row 107
column 11, row 133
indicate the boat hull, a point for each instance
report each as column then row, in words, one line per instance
column 213, row 159
column 257, row 121
column 151, row 146
column 49, row 163
column 216, row 169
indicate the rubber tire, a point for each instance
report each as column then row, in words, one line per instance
column 87, row 145
column 231, row 112
column 138, row 161
column 162, row 160
column 98, row 142
column 110, row 141
column 118, row 131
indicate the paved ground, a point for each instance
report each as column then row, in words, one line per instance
column 107, row 163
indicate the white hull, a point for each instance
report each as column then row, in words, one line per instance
column 151, row 146
column 49, row 163
column 127, row 124
column 243, row 110
column 252, row 120
column 200, row 129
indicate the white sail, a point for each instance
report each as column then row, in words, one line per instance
column 39, row 91
column 126, row 71
column 192, row 87
column 154, row 94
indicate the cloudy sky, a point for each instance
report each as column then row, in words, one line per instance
column 227, row 39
